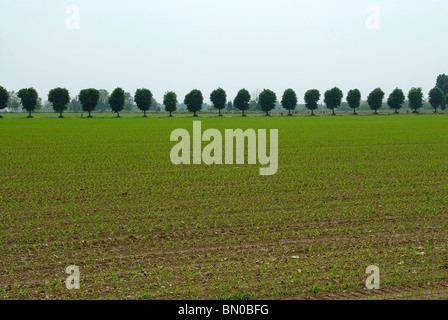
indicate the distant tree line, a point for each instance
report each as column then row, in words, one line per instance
column 90, row 100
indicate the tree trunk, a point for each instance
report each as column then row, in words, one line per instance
column 435, row 110
column 118, row 115
column 312, row 112
column 334, row 113
column 171, row 114
column 144, row 114
column 220, row 113
column 60, row 115
column 90, row 115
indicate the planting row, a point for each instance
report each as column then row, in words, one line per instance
column 194, row 101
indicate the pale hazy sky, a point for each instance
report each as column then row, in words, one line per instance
column 181, row 45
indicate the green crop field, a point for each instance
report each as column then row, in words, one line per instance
column 102, row 194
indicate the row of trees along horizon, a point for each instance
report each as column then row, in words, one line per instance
column 118, row 101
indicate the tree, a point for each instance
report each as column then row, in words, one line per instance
column 415, row 97
column 436, row 97
column 254, row 106
column 60, row 98
column 154, row 105
column 14, row 101
column 4, row 97
column 396, row 100
column 116, row 101
column 39, row 104
column 103, row 103
column 242, row 100
column 354, row 99
column 442, row 83
column 267, row 101
column 219, row 99
column 74, row 105
column 375, row 99
column 289, row 100
column 89, row 100
column 333, row 99
column 129, row 104
column 194, row 101
column 312, row 98
column 143, row 99
column 256, row 95
column 28, row 98
column 47, row 105
column 170, row 102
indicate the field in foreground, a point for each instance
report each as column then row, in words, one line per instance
column 103, row 195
